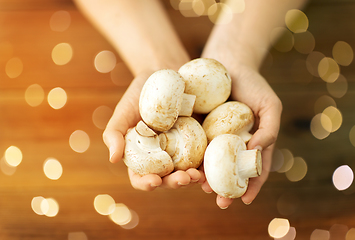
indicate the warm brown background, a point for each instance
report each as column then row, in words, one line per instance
column 42, row 132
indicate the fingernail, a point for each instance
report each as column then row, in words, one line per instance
column 247, row 203
column 193, row 181
column 209, row 192
column 260, row 148
column 112, row 152
column 224, row 207
column 153, row 185
column 180, row 184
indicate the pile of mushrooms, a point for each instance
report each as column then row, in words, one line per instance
column 168, row 138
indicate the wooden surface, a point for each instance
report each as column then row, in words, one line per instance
column 310, row 205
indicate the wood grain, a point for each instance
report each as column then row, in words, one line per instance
column 188, row 213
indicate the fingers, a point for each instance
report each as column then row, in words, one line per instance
column 125, row 116
column 223, row 203
column 115, row 142
column 145, row 183
column 174, row 180
column 269, row 125
column 180, row 178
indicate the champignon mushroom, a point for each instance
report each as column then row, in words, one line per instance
column 208, row 80
column 185, row 142
column 228, row 165
column 163, row 99
column 143, row 154
column 231, row 117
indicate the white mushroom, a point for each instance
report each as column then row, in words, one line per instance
column 143, row 154
column 163, row 99
column 185, row 142
column 209, row 81
column 231, row 117
column 228, row 165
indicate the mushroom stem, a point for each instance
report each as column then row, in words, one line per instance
column 249, row 163
column 187, row 105
column 245, row 135
column 168, row 141
column 146, row 137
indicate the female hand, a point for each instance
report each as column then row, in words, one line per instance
column 125, row 116
column 249, row 87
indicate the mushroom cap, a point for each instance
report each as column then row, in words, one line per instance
column 191, row 141
column 209, row 80
column 160, row 99
column 232, row 117
column 221, row 166
column 146, row 159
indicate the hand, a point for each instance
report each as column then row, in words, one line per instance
column 125, row 116
column 249, row 87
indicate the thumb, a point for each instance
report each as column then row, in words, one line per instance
column 115, row 142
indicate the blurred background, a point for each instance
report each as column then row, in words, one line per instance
column 60, row 81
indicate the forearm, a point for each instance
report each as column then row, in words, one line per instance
column 246, row 39
column 139, row 30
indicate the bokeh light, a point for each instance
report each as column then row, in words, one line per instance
column 79, row 141
column 278, row 227
column 320, row 234
column 352, row 135
column 77, row 236
column 14, row 67
column 191, row 8
column 104, row 204
column 296, row 21
column 291, row 234
column 62, row 53
column 237, row 6
column 101, row 116
column 50, row 207
column 134, row 221
column 34, row 95
column 298, row 171
column 282, row 39
column 36, row 205
column 277, row 160
column 105, row 61
column 328, row 70
column 175, row 4
column 121, row 214
column 343, row 177
column 57, row 98
column 220, row 13
column 287, row 160
column 312, row 62
column 350, row 235
column 304, row 42
column 343, row 53
column 52, row 169
column 323, row 102
column 317, row 128
column 13, row 156
column 6, row 168
column 60, row 21
column 335, row 117
column 338, row 88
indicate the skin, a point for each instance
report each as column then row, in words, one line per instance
column 239, row 45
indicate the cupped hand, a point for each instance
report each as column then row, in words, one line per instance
column 125, row 116
column 249, row 87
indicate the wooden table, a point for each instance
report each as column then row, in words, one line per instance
column 313, row 206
